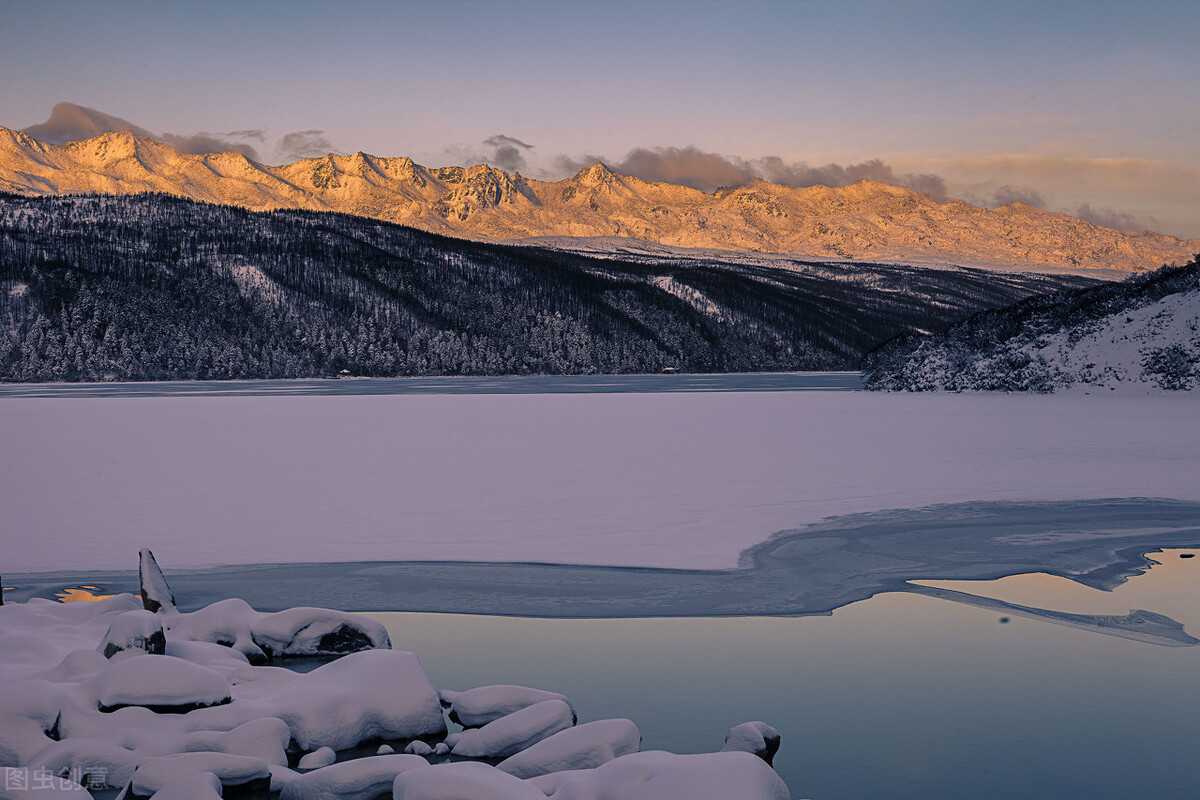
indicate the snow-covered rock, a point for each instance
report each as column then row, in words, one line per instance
column 265, row 738
column 225, row 622
column 513, row 732
column 317, row 631
column 248, row 774
column 281, row 776
column 103, row 763
column 476, row 707
column 156, row 594
column 160, row 683
column 19, row 783
column 321, row 757
column 387, row 750
column 758, row 738
column 360, row 779
column 134, row 630
column 200, row 786
column 418, row 748
column 657, row 775
column 374, row 694
column 583, row 747
column 292, row 632
column 462, row 780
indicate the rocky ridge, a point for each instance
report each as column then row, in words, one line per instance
column 866, row 221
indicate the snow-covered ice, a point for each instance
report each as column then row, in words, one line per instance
column 664, row 480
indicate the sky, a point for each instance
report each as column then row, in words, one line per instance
column 1085, row 107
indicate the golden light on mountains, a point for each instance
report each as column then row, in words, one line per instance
column 865, row 221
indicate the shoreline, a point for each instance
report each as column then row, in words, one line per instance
column 808, row 571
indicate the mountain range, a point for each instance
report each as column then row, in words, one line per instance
column 152, row 287
column 866, row 221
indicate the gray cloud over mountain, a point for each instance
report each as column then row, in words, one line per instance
column 1107, row 218
column 201, row 143
column 303, row 144
column 699, row 169
column 500, row 151
column 69, row 122
column 72, row 123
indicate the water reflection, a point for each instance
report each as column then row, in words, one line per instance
column 80, row 594
column 898, row 696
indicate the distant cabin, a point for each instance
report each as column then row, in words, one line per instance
column 670, row 370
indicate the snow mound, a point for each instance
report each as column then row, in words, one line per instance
column 240, row 771
column 584, row 747
column 200, row 786
column 317, row 632
column 23, row 784
column 289, row 633
column 514, row 732
column 134, row 630
column 758, row 738
column 374, row 694
column 657, row 775
column 361, row 779
column 321, row 757
column 463, row 780
column 163, row 684
column 479, row 706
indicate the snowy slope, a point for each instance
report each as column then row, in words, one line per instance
column 1142, row 335
column 866, row 221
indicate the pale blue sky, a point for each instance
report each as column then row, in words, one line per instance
column 984, row 93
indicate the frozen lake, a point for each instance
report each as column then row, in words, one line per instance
column 705, row 526
column 681, row 479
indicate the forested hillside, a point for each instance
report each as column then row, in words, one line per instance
column 1141, row 333
column 151, row 287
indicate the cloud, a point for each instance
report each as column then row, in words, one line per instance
column 500, row 151
column 687, row 166
column 1130, row 193
column 994, row 197
column 201, row 143
column 69, row 122
column 1107, row 218
column 690, row 166
column 303, row 144
column 798, row 173
column 507, row 152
